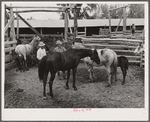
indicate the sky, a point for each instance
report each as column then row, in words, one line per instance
column 36, row 15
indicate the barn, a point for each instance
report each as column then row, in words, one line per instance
column 87, row 27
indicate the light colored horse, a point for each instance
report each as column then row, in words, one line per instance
column 27, row 49
column 108, row 58
column 140, row 49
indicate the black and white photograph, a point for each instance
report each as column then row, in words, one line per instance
column 78, row 60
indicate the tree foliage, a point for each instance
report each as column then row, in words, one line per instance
column 100, row 11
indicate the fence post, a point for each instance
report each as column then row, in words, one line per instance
column 6, row 21
column 66, row 25
column 12, row 30
column 124, row 20
column 109, row 21
column 17, row 26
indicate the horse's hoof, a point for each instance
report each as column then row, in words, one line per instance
column 108, row 85
column 91, row 80
column 50, row 94
column 67, row 87
column 75, row 89
column 44, row 98
column 122, row 83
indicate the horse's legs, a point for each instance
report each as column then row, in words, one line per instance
column 109, row 75
column 25, row 60
column 74, row 78
column 115, row 73
column 27, row 64
column 91, row 73
column 51, row 83
column 44, row 85
column 68, row 76
column 124, row 72
column 22, row 65
column 90, row 70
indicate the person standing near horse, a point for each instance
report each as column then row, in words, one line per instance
column 60, row 48
column 133, row 29
column 41, row 51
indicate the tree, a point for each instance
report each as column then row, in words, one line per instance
column 136, row 11
column 88, row 11
column 104, row 10
column 100, row 11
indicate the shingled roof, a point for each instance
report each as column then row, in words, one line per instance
column 81, row 23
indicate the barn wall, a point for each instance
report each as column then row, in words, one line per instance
column 89, row 30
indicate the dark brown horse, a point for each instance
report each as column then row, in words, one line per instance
column 123, row 64
column 56, row 61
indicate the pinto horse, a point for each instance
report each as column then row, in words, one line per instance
column 57, row 61
column 107, row 57
column 139, row 49
column 27, row 49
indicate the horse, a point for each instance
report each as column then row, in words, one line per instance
column 140, row 49
column 123, row 64
column 107, row 57
column 63, row 61
column 27, row 49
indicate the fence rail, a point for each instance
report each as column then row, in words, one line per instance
column 31, row 35
column 124, row 47
column 9, row 47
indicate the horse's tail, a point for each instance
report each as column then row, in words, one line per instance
column 42, row 68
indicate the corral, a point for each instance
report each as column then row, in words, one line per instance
column 89, row 94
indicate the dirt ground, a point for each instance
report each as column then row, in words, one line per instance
column 89, row 94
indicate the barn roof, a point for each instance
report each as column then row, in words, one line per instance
column 81, row 23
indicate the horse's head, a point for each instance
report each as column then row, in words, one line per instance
column 139, row 49
column 35, row 41
column 95, row 56
column 36, row 37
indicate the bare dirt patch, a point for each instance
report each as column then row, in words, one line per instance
column 89, row 94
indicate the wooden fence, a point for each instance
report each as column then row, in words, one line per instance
column 123, row 47
column 25, row 38
column 9, row 47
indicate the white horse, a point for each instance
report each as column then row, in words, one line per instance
column 140, row 49
column 27, row 49
column 108, row 58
